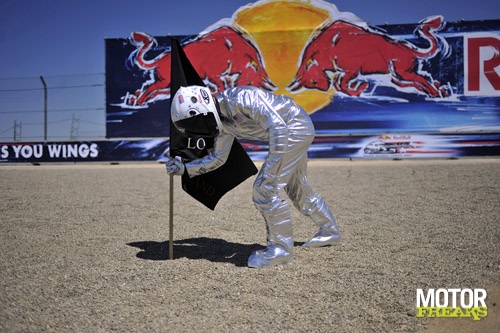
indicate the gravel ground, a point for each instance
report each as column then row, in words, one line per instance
column 84, row 248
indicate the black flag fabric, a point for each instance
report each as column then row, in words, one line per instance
column 182, row 73
column 210, row 187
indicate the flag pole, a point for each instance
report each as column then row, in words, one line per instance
column 171, row 220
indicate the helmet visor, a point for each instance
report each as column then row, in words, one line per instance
column 200, row 124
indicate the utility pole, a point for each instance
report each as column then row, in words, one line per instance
column 18, row 130
column 44, row 108
column 75, row 128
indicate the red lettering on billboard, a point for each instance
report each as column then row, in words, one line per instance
column 482, row 58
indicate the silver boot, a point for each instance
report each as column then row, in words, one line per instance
column 279, row 239
column 329, row 232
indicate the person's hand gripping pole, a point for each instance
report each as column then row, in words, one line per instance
column 175, row 166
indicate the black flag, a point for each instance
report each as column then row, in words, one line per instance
column 210, row 187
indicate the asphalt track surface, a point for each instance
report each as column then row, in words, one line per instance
column 84, row 248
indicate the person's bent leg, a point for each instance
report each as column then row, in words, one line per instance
column 279, row 248
column 312, row 205
column 271, row 179
column 329, row 232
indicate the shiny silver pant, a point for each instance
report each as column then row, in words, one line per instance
column 287, row 170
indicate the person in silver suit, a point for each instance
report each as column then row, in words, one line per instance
column 255, row 114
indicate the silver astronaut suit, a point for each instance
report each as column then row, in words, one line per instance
column 254, row 114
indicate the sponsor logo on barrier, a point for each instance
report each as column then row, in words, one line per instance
column 51, row 151
column 452, row 303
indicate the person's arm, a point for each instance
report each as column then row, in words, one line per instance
column 215, row 159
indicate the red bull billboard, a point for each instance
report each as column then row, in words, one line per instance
column 405, row 80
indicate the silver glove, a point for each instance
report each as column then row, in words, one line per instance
column 174, row 166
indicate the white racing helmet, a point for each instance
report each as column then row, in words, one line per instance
column 193, row 111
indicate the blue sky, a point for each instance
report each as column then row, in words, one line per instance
column 61, row 38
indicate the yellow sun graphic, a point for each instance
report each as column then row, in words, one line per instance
column 281, row 29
